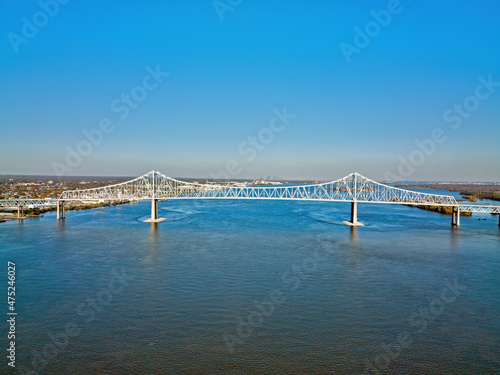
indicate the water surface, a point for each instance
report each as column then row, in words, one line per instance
column 235, row 286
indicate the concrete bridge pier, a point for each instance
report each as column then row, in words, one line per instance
column 354, row 216
column 154, row 212
column 154, row 209
column 20, row 213
column 61, row 215
column 455, row 217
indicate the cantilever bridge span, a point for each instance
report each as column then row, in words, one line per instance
column 353, row 188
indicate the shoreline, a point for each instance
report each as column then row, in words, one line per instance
column 10, row 215
column 470, row 192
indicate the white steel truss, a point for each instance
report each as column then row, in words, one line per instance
column 485, row 208
column 23, row 202
column 351, row 188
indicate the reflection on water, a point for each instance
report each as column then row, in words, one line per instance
column 154, row 236
column 455, row 237
column 185, row 286
column 354, row 235
column 154, row 231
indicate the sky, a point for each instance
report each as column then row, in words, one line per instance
column 394, row 90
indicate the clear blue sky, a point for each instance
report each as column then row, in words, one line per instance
column 226, row 77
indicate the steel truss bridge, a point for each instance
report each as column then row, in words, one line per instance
column 353, row 188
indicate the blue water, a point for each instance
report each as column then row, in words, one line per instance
column 255, row 287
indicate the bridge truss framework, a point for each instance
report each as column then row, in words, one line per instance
column 353, row 188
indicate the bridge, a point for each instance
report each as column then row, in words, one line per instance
column 155, row 186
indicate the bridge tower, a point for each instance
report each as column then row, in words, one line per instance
column 154, row 209
column 354, row 204
column 455, row 217
column 154, row 201
column 60, row 210
column 20, row 212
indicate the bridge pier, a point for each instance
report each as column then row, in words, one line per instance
column 154, row 213
column 154, row 209
column 20, row 213
column 455, row 217
column 61, row 215
column 354, row 216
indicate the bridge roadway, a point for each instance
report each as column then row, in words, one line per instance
column 154, row 186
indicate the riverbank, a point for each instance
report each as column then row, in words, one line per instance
column 38, row 212
column 445, row 210
column 471, row 192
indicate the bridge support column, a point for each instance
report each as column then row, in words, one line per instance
column 60, row 210
column 154, row 213
column 455, row 217
column 154, row 209
column 354, row 212
column 354, row 216
column 20, row 212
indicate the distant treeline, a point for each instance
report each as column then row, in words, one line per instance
column 475, row 195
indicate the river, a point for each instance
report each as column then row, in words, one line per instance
column 254, row 287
